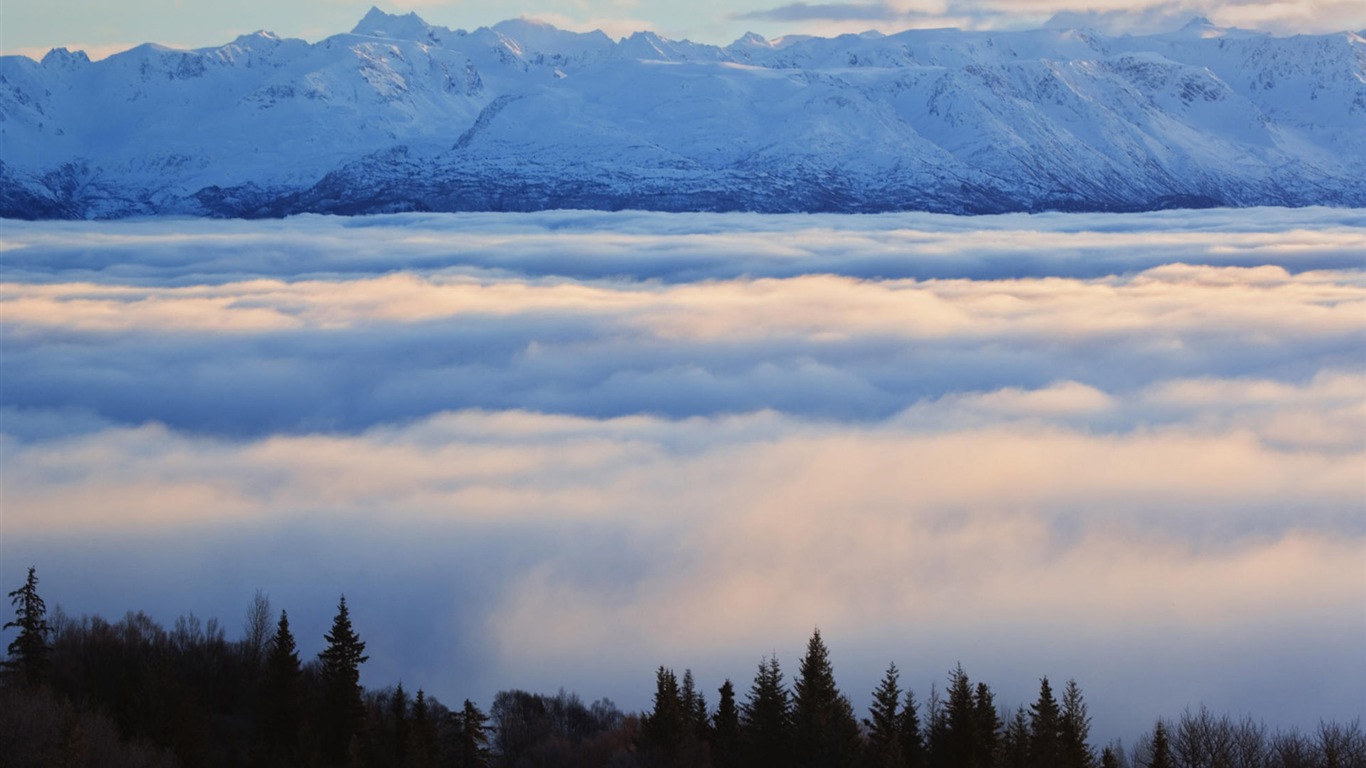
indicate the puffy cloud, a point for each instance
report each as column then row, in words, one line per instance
column 269, row 354
column 560, row 449
column 1113, row 16
column 1055, row 448
column 586, row 245
column 1174, row 298
column 712, row 538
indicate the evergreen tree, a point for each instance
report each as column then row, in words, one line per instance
column 1161, row 756
column 662, row 730
column 398, row 713
column 1045, row 723
column 281, row 711
column 1015, row 742
column 937, row 749
column 1108, row 758
column 725, row 729
column 474, row 737
column 694, row 708
column 424, row 736
column 884, row 723
column 766, row 719
column 28, row 652
column 343, row 711
column 1075, row 729
column 912, row 741
column 986, row 726
column 960, row 737
column 823, row 719
column 696, row 726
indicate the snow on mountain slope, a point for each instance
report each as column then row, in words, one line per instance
column 400, row 115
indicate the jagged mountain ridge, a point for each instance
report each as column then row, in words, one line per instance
column 402, row 115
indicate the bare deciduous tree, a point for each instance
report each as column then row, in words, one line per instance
column 256, row 628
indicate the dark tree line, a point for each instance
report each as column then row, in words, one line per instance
column 90, row 692
column 131, row 693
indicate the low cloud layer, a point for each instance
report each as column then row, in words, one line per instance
column 561, row 449
column 326, row 324
column 1111, row 16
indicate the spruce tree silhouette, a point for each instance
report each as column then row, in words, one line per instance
column 1045, row 723
column 823, row 719
column 1075, row 729
column 694, row 709
column 474, row 737
column 28, row 652
column 725, row 729
column 424, row 733
column 986, row 727
column 912, row 741
column 884, row 723
column 343, row 711
column 1161, row 749
column 281, row 712
column 1015, row 741
column 766, row 719
column 663, row 729
column 961, row 735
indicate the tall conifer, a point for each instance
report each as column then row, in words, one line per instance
column 1161, row 748
column 343, row 712
column 694, row 708
column 424, row 735
column 398, row 712
column 474, row 737
column 28, row 652
column 823, row 719
column 725, row 729
column 1045, row 723
column 884, row 723
column 1015, row 742
column 1075, row 729
column 662, row 730
column 281, row 712
column 960, row 715
column 766, row 719
column 912, row 740
column 986, row 727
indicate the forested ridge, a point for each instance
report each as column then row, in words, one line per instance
column 90, row 692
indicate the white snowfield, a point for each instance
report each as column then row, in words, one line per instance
column 401, row 115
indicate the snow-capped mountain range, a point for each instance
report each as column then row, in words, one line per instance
column 401, row 115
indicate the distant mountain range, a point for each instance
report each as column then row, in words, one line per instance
column 400, row 115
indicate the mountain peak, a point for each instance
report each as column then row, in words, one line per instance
column 526, row 22
column 258, row 36
column 543, row 37
column 61, row 57
column 377, row 23
column 1202, row 28
column 752, row 40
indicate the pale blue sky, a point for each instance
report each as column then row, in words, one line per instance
column 104, row 26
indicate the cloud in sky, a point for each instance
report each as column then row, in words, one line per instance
column 561, row 449
column 705, row 541
column 33, row 28
column 826, row 12
column 230, row 329
column 1112, row 16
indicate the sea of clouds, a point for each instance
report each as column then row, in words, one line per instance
column 559, row 449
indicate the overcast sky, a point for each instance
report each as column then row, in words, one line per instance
column 104, row 26
column 560, row 449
